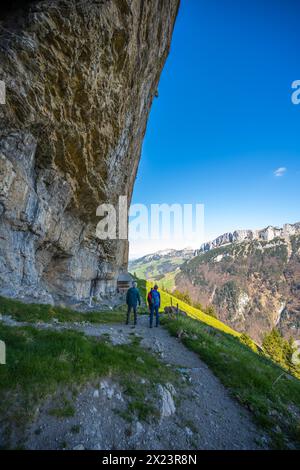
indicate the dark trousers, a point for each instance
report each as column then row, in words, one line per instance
column 129, row 308
column 153, row 309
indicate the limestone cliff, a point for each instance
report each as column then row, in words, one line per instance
column 266, row 234
column 80, row 79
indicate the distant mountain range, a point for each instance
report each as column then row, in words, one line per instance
column 251, row 277
column 186, row 253
column 161, row 266
column 266, row 234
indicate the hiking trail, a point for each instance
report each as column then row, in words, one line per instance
column 204, row 417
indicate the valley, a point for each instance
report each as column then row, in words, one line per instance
column 250, row 278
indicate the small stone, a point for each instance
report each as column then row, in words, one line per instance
column 107, row 389
column 96, row 394
column 171, row 388
column 188, row 431
column 119, row 396
column 139, row 428
column 79, row 447
column 140, row 360
column 167, row 407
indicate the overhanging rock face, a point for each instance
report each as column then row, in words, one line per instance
column 80, row 78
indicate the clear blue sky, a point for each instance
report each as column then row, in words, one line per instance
column 224, row 120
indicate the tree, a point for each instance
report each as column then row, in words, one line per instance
column 281, row 350
column 210, row 310
column 198, row 305
column 245, row 339
column 184, row 296
column 273, row 346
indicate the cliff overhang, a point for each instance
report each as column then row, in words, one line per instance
column 80, row 79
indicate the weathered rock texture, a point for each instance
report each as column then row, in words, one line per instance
column 80, row 78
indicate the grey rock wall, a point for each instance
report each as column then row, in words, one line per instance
column 80, row 79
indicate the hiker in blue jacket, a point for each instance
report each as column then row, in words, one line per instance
column 133, row 298
column 154, row 304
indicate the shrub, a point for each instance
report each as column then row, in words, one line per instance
column 198, row 305
column 280, row 350
column 245, row 339
column 210, row 310
column 184, row 296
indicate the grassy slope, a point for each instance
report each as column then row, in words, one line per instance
column 168, row 281
column 43, row 312
column 153, row 269
column 41, row 362
column 270, row 393
column 168, row 299
column 256, row 382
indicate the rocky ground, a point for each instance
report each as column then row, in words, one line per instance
column 196, row 413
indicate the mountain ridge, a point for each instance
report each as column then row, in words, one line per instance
column 267, row 234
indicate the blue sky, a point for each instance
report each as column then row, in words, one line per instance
column 224, row 120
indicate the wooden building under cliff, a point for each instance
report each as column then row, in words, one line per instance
column 124, row 281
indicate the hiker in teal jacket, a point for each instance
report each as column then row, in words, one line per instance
column 133, row 298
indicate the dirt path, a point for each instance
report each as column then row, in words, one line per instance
column 205, row 417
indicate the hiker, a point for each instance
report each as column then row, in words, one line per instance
column 154, row 304
column 149, row 297
column 133, row 298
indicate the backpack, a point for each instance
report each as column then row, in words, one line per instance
column 155, row 297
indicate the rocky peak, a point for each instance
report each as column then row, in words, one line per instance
column 266, row 234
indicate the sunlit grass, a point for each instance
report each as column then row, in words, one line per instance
column 272, row 395
column 168, row 299
column 41, row 362
column 29, row 312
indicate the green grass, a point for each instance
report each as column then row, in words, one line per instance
column 168, row 299
column 168, row 281
column 153, row 269
column 41, row 362
column 64, row 410
column 46, row 313
column 251, row 378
